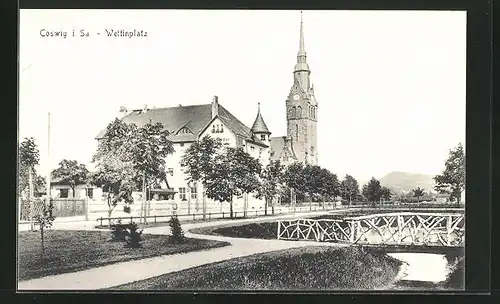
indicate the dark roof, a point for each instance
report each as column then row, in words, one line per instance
column 196, row 118
column 259, row 126
column 60, row 181
column 278, row 145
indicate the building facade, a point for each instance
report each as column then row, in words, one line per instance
column 300, row 143
column 188, row 124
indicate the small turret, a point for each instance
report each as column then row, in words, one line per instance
column 259, row 128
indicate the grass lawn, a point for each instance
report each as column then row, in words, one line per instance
column 307, row 268
column 69, row 251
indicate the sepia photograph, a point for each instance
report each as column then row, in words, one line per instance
column 241, row 150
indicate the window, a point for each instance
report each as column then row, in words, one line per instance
column 182, row 194
column 294, row 111
column 182, row 144
column 299, row 111
column 90, row 192
column 213, row 128
column 193, row 193
column 252, row 148
column 63, row 193
column 297, row 132
column 171, row 171
column 263, row 137
column 184, row 131
column 222, row 128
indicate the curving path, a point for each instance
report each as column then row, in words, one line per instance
column 131, row 271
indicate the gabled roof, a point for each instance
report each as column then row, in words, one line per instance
column 196, row 118
column 280, row 145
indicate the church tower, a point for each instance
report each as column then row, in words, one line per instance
column 302, row 109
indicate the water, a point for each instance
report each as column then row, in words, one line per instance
column 424, row 267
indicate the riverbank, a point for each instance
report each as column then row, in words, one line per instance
column 306, row 268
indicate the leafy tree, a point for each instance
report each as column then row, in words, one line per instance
column 116, row 178
column 372, row 190
column 271, row 183
column 452, row 179
column 199, row 162
column 294, row 177
column 349, row 188
column 235, row 173
column 130, row 156
column 71, row 172
column 29, row 157
column 418, row 193
column 44, row 220
column 385, row 194
column 149, row 146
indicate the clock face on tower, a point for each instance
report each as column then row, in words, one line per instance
column 296, row 97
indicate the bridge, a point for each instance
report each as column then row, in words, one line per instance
column 404, row 228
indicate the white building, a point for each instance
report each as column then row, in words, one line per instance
column 187, row 124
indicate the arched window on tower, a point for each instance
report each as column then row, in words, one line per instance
column 299, row 111
column 297, row 132
column 293, row 112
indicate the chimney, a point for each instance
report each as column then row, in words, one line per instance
column 123, row 111
column 215, row 106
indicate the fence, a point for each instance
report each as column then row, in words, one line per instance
column 222, row 215
column 405, row 228
column 68, row 207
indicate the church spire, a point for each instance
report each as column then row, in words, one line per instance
column 301, row 71
column 302, row 49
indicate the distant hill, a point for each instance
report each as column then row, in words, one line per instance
column 404, row 182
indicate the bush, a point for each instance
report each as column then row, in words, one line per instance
column 118, row 231
column 133, row 237
column 177, row 232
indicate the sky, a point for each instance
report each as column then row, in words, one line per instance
column 390, row 84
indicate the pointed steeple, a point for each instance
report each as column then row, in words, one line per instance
column 302, row 49
column 259, row 126
column 301, row 70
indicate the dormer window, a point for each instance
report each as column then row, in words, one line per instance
column 263, row 137
column 184, row 131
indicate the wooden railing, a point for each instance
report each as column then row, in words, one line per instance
column 406, row 228
column 220, row 215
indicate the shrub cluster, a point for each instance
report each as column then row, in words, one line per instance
column 128, row 233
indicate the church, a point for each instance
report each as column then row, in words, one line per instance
column 187, row 124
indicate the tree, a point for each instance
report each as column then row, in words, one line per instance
column 176, row 230
column 44, row 220
column 385, row 194
column 71, row 172
column 372, row 190
column 199, row 162
column 235, row 173
column 131, row 156
column 29, row 157
column 349, row 188
column 271, row 183
column 149, row 146
column 293, row 178
column 116, row 178
column 452, row 179
column 418, row 193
